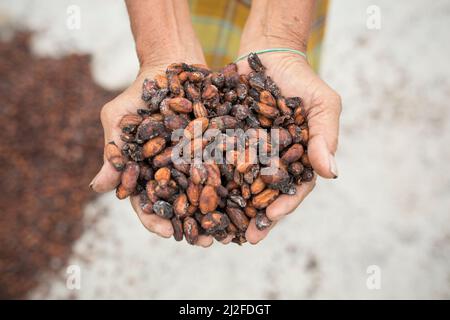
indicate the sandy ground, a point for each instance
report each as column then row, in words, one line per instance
column 389, row 207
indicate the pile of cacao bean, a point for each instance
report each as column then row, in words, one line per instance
column 207, row 197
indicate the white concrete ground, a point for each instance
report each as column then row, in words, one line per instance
column 389, row 207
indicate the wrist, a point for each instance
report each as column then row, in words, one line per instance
column 152, row 55
column 163, row 32
column 273, row 24
column 271, row 42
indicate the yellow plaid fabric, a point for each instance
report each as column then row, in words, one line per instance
column 219, row 23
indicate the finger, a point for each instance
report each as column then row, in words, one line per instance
column 323, row 122
column 204, row 241
column 254, row 235
column 285, row 204
column 152, row 222
column 108, row 177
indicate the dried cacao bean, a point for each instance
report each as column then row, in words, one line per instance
column 262, row 222
column 209, row 200
column 190, row 228
column 238, row 218
column 114, row 156
column 177, row 229
column 163, row 209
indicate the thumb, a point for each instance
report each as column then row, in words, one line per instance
column 323, row 122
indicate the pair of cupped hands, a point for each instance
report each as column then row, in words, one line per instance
column 293, row 75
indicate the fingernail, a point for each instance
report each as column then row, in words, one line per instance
column 91, row 184
column 333, row 166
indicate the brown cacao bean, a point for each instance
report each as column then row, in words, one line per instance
column 122, row 192
column 163, row 209
column 262, row 222
column 190, row 228
column 181, row 105
column 130, row 176
column 177, row 229
column 153, row 146
column 193, row 192
column 292, row 154
column 180, row 206
column 163, row 159
column 144, row 203
column 199, row 173
column 162, row 176
column 214, row 221
column 209, row 200
column 265, row 198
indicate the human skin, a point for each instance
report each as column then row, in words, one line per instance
column 169, row 37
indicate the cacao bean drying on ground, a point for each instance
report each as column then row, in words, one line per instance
column 51, row 139
column 207, row 196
